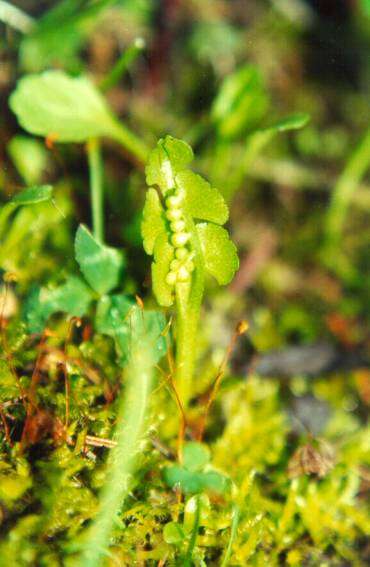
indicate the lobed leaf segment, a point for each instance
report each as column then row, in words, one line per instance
column 171, row 226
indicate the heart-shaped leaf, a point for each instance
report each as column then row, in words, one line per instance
column 72, row 297
column 195, row 482
column 195, row 456
column 194, row 475
column 101, row 265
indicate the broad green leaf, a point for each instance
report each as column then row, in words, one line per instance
column 202, row 201
column 179, row 477
column 220, row 255
column 241, row 102
column 195, row 456
column 101, row 265
column 33, row 195
column 195, row 482
column 70, row 109
column 153, row 223
column 29, row 156
column 121, row 318
column 163, row 255
column 173, row 533
column 72, row 297
column 215, row 482
column 169, row 158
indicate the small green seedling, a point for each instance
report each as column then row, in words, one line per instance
column 117, row 315
column 182, row 229
column 195, row 475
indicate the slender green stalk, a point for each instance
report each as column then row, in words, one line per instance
column 96, row 187
column 130, row 432
column 188, row 312
column 187, row 325
column 344, row 189
column 234, row 527
column 15, row 17
column 194, row 532
column 130, row 142
column 123, row 63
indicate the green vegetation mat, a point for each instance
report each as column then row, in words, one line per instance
column 184, row 283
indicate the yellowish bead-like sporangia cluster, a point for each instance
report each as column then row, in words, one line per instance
column 182, row 265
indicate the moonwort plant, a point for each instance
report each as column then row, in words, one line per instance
column 182, row 229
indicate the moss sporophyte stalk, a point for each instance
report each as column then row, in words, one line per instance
column 182, row 230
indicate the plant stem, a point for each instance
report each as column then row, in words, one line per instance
column 194, row 532
column 188, row 306
column 123, row 63
column 186, row 327
column 130, row 142
column 96, row 187
column 15, row 17
column 234, row 527
column 343, row 191
column 130, row 431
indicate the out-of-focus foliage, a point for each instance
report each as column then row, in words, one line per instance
column 237, row 81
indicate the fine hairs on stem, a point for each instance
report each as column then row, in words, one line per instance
column 129, row 435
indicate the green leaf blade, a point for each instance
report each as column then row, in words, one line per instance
column 241, row 103
column 70, row 109
column 153, row 223
column 164, row 253
column 169, row 158
column 195, row 456
column 33, row 195
column 202, row 201
column 72, row 297
column 101, row 265
column 192, row 482
column 292, row 122
column 220, row 255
